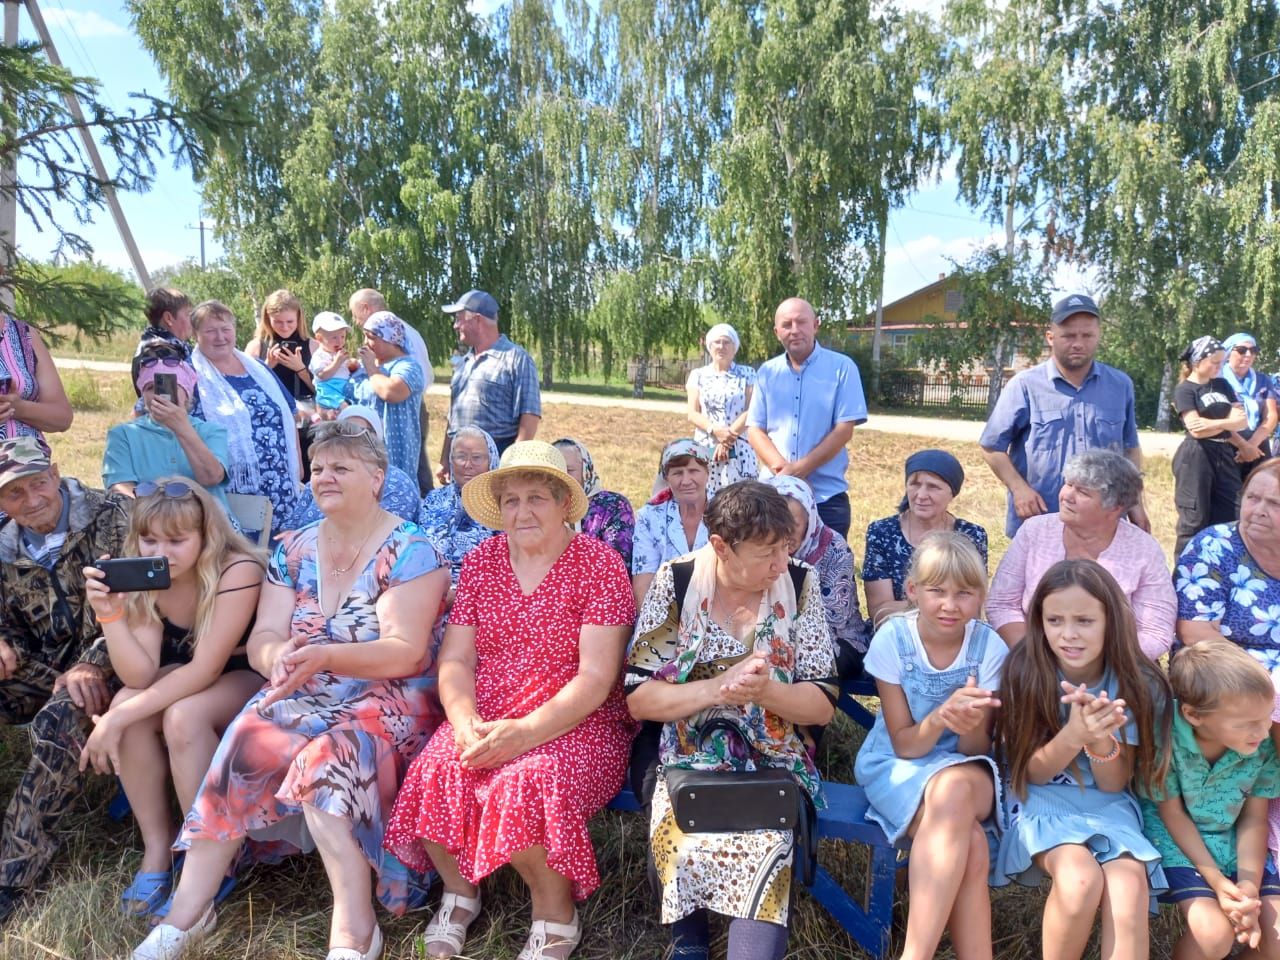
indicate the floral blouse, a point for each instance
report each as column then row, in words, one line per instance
column 611, row 520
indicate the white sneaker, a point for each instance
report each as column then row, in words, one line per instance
column 167, row 942
column 351, row 953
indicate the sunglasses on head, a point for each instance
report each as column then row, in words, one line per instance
column 347, row 428
column 148, row 362
column 174, row 490
column 1243, row 350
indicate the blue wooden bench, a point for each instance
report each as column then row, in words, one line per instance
column 869, row 922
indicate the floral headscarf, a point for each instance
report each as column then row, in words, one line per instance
column 443, row 518
column 682, row 447
column 385, row 325
column 590, row 479
column 817, row 535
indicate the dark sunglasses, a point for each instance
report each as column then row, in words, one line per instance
column 147, row 362
column 174, row 490
column 1244, row 351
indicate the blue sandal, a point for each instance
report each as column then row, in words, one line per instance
column 224, row 890
column 147, row 892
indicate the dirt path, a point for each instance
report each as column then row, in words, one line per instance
column 934, row 428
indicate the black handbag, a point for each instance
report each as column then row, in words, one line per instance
column 733, row 801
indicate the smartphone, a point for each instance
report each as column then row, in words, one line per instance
column 167, row 386
column 133, row 574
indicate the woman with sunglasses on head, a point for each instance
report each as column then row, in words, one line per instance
column 1256, row 391
column 345, row 634
column 242, row 395
column 166, row 439
column 180, row 654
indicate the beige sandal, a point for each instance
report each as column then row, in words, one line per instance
column 443, row 929
column 547, row 936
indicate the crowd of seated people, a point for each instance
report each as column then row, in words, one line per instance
column 438, row 687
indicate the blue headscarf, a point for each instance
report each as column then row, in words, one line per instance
column 1246, row 387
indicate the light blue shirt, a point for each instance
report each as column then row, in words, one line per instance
column 798, row 409
column 1041, row 420
column 402, row 421
column 141, row 450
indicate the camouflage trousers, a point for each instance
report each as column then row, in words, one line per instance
column 52, row 778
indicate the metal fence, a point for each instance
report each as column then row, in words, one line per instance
column 915, row 388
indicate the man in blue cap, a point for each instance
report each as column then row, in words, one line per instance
column 1051, row 412
column 495, row 387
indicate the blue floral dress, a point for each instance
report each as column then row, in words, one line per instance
column 723, row 396
column 1217, row 579
column 888, row 554
column 447, row 525
column 402, row 422
column 272, row 449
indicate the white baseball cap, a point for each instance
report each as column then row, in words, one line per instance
column 329, row 322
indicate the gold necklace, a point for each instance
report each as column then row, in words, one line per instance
column 356, row 556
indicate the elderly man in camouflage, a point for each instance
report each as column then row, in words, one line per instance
column 51, row 672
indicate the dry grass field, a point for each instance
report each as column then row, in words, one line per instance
column 282, row 911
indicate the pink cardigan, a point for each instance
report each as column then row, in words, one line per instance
column 1134, row 558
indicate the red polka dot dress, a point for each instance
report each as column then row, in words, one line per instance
column 526, row 651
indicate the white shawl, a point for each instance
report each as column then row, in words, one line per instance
column 222, row 404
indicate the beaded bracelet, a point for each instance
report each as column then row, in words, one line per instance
column 1111, row 755
column 118, row 616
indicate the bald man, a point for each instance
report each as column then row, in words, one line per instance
column 803, row 410
column 364, row 304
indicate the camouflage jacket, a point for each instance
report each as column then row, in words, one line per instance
column 43, row 613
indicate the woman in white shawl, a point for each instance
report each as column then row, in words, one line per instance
column 242, row 395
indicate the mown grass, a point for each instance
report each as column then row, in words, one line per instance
column 283, row 911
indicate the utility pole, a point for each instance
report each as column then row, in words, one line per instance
column 86, row 138
column 9, row 181
column 202, row 228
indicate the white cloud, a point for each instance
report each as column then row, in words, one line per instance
column 85, row 24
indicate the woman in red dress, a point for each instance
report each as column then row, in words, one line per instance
column 537, row 736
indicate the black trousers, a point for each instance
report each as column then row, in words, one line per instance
column 835, row 513
column 1206, row 486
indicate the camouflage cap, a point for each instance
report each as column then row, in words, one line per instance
column 21, row 457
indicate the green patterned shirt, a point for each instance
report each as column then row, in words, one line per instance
column 1213, row 794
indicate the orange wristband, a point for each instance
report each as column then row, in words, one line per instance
column 118, row 616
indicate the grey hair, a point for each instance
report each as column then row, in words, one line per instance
column 1113, row 475
column 365, row 446
column 558, row 489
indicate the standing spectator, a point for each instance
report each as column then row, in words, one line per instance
column 719, row 395
column 32, row 401
column 166, row 439
column 364, row 304
column 803, row 410
column 51, row 672
column 284, row 344
column 1206, row 465
column 1256, row 391
column 391, row 382
column 495, row 387
column 168, row 323
column 1064, row 406
column 242, row 395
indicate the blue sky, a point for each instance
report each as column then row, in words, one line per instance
column 94, row 38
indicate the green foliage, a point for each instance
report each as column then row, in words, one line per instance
column 218, row 281
column 90, row 300
column 40, row 134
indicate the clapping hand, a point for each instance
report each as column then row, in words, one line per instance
column 1092, row 718
column 966, row 709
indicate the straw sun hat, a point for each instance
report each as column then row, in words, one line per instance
column 480, row 500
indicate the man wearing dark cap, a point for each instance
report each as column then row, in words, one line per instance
column 52, row 673
column 495, row 387
column 1051, row 412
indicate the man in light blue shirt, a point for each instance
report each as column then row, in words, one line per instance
column 1064, row 406
column 803, row 410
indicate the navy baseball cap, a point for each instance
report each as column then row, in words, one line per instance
column 476, row 301
column 1076, row 303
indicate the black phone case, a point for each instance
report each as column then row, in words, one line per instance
column 132, row 574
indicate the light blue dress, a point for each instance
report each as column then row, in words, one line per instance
column 402, row 422
column 895, row 785
column 1071, row 809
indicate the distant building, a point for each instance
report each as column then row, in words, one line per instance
column 915, row 313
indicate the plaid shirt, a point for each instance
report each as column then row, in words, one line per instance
column 493, row 389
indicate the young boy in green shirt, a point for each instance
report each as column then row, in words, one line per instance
column 1210, row 820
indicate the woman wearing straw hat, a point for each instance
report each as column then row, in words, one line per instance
column 719, row 395
column 537, row 734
